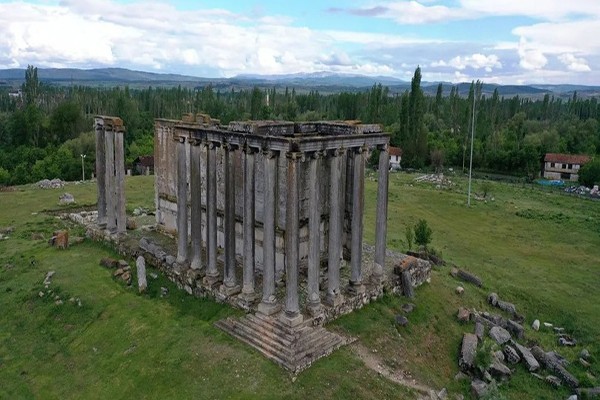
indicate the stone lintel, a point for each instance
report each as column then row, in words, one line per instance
column 114, row 124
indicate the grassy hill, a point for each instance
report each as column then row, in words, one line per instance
column 538, row 249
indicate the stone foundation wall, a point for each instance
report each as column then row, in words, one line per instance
column 192, row 280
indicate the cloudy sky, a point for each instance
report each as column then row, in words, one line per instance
column 498, row 41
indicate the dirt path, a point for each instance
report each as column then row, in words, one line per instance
column 374, row 362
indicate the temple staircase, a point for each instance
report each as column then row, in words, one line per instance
column 293, row 348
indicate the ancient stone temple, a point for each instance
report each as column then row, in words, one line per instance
column 270, row 216
column 110, row 173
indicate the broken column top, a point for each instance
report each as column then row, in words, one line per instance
column 114, row 124
column 312, row 128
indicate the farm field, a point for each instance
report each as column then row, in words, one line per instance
column 537, row 249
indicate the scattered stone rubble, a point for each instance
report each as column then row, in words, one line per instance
column 505, row 333
column 65, row 199
column 121, row 267
column 50, row 184
column 438, row 179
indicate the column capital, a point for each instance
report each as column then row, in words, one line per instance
column 383, row 147
column 246, row 148
column 194, row 141
column 340, row 151
column 211, row 145
column 268, row 153
column 360, row 149
column 228, row 146
column 297, row 156
column 315, row 155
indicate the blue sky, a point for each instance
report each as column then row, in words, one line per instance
column 497, row 41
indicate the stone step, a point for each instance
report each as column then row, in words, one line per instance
column 292, row 348
column 258, row 332
column 261, row 347
column 320, row 348
column 283, row 336
column 307, row 323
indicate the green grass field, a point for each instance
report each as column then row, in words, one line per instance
column 537, row 249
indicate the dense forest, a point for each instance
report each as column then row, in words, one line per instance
column 45, row 131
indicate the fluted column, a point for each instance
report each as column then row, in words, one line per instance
column 230, row 285
column 381, row 214
column 196, row 203
column 212, row 273
column 314, row 235
column 120, row 183
column 182, row 211
column 334, row 296
column 101, row 171
column 109, row 179
column 291, row 315
column 268, row 304
column 248, row 293
column 358, row 202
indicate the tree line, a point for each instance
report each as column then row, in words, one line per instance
column 44, row 132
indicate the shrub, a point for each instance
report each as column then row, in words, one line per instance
column 423, row 233
column 589, row 174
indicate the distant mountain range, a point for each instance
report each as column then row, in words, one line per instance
column 324, row 82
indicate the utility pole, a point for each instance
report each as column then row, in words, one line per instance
column 83, row 167
column 471, row 158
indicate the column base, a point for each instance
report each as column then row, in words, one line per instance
column 334, row 300
column 315, row 309
column 268, row 308
column 181, row 259
column 355, row 288
column 248, row 297
column 377, row 279
column 196, row 264
column 211, row 280
column 291, row 320
column 229, row 290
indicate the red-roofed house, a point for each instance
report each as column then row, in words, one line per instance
column 395, row 158
column 563, row 166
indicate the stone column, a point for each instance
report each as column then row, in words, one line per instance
column 212, row 273
column 334, row 297
column 381, row 214
column 230, row 285
column 291, row 315
column 358, row 202
column 120, row 182
column 268, row 304
column 101, row 171
column 196, row 203
column 248, row 293
column 109, row 179
column 182, row 212
column 314, row 236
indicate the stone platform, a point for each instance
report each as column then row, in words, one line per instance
column 293, row 348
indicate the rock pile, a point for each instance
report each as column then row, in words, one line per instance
column 438, row 179
column 66, row 198
column 50, row 184
column 122, row 269
column 505, row 333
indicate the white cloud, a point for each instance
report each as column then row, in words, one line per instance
column 574, row 63
column 475, row 61
column 531, row 58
